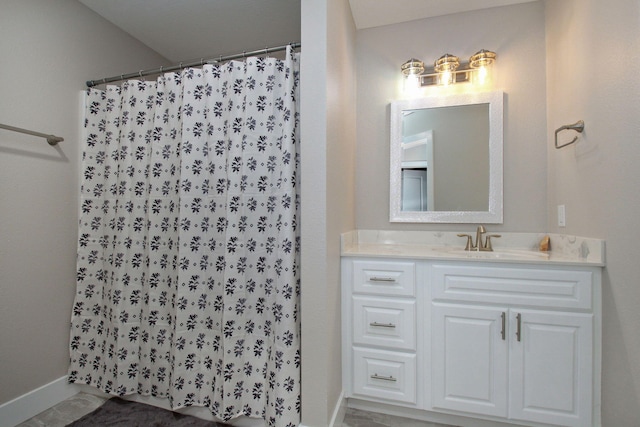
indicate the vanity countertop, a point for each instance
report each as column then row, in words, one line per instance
column 509, row 248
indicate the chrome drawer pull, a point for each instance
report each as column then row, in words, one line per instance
column 382, row 325
column 380, row 377
column 382, row 279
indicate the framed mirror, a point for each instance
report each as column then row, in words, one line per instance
column 446, row 159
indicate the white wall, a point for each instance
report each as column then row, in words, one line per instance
column 516, row 34
column 592, row 73
column 48, row 50
column 328, row 147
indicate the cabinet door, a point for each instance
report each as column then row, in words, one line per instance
column 551, row 379
column 469, row 359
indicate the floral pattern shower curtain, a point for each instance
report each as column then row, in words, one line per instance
column 188, row 250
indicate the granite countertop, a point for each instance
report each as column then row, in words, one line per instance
column 509, row 248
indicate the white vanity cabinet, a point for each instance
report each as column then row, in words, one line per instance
column 379, row 339
column 512, row 342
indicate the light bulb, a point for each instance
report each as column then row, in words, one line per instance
column 446, row 66
column 482, row 63
column 411, row 83
column 482, row 75
column 446, row 78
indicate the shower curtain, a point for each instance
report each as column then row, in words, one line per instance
column 188, row 248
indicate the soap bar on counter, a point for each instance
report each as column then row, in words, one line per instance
column 545, row 244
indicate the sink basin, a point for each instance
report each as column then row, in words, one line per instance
column 500, row 254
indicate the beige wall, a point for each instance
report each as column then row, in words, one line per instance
column 48, row 50
column 328, row 147
column 313, row 100
column 592, row 73
column 516, row 33
column 341, row 147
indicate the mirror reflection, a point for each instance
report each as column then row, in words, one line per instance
column 437, row 137
column 446, row 159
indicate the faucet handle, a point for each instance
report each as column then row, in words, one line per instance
column 469, row 244
column 487, row 242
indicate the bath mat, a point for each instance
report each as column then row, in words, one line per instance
column 120, row 412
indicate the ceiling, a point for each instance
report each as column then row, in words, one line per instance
column 374, row 13
column 183, row 30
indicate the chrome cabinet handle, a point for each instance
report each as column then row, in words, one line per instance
column 382, row 325
column 380, row 377
column 503, row 333
column 519, row 325
column 382, row 279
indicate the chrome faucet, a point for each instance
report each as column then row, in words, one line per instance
column 479, row 245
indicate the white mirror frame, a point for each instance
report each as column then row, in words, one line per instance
column 494, row 214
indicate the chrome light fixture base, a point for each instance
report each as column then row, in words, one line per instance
column 447, row 69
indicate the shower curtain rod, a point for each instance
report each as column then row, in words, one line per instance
column 51, row 139
column 180, row 66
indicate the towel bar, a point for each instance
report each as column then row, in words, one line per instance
column 577, row 126
column 51, row 139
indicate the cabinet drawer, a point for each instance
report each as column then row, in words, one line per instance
column 384, row 278
column 384, row 322
column 548, row 288
column 384, row 375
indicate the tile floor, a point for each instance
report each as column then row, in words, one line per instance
column 358, row 418
column 66, row 411
column 81, row 404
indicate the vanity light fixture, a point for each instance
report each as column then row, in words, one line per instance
column 448, row 70
column 482, row 62
column 446, row 67
column 412, row 69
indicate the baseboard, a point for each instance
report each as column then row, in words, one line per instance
column 339, row 411
column 32, row 403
